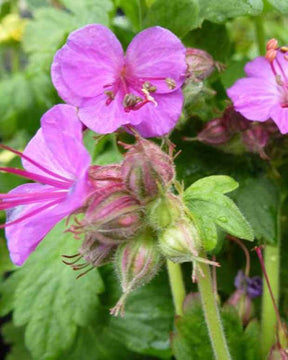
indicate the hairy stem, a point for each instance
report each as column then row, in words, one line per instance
column 260, row 34
column 269, row 317
column 177, row 286
column 211, row 311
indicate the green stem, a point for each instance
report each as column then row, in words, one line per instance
column 177, row 286
column 269, row 317
column 260, row 34
column 211, row 311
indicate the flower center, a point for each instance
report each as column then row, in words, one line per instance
column 135, row 92
column 279, row 72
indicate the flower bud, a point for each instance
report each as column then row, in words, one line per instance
column 180, row 242
column 164, row 211
column 200, row 64
column 234, row 121
column 214, row 133
column 147, row 170
column 255, row 139
column 247, row 289
column 113, row 217
column 95, row 253
column 103, row 176
column 91, row 254
column 137, row 262
column 243, row 305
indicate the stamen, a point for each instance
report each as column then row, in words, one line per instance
column 131, row 100
column 170, row 83
column 35, row 177
column 30, row 214
column 6, row 204
column 33, row 162
column 84, row 273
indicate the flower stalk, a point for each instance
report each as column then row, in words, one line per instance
column 211, row 312
column 177, row 286
column 269, row 315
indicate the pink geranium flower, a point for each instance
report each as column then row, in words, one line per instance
column 111, row 89
column 264, row 93
column 57, row 161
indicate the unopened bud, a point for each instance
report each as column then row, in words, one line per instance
column 255, row 139
column 95, row 253
column 247, row 289
column 147, row 170
column 164, row 211
column 103, row 176
column 91, row 254
column 180, row 242
column 200, row 64
column 243, row 304
column 234, row 121
column 214, row 133
column 137, row 262
column 272, row 44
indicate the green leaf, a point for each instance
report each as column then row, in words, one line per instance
column 90, row 11
column 259, row 200
column 178, row 16
column 191, row 338
column 280, row 5
column 48, row 298
column 218, row 183
column 96, row 342
column 233, row 72
column 148, row 319
column 14, row 337
column 219, row 11
column 209, row 207
column 204, row 38
column 5, row 262
column 58, row 24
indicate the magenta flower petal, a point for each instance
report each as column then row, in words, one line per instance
column 63, row 90
column 157, row 53
column 167, row 112
column 89, row 61
column 280, row 117
column 259, row 67
column 253, row 98
column 58, row 144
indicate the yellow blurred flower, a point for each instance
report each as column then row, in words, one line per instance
column 11, row 28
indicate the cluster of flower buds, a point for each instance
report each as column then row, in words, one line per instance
column 133, row 219
column 200, row 65
column 254, row 136
column 247, row 289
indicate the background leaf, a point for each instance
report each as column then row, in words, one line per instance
column 178, row 16
column 48, row 298
column 259, row 200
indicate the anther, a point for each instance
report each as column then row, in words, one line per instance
column 272, row 44
column 149, row 87
column 170, row 83
column 131, row 100
column 271, row 55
